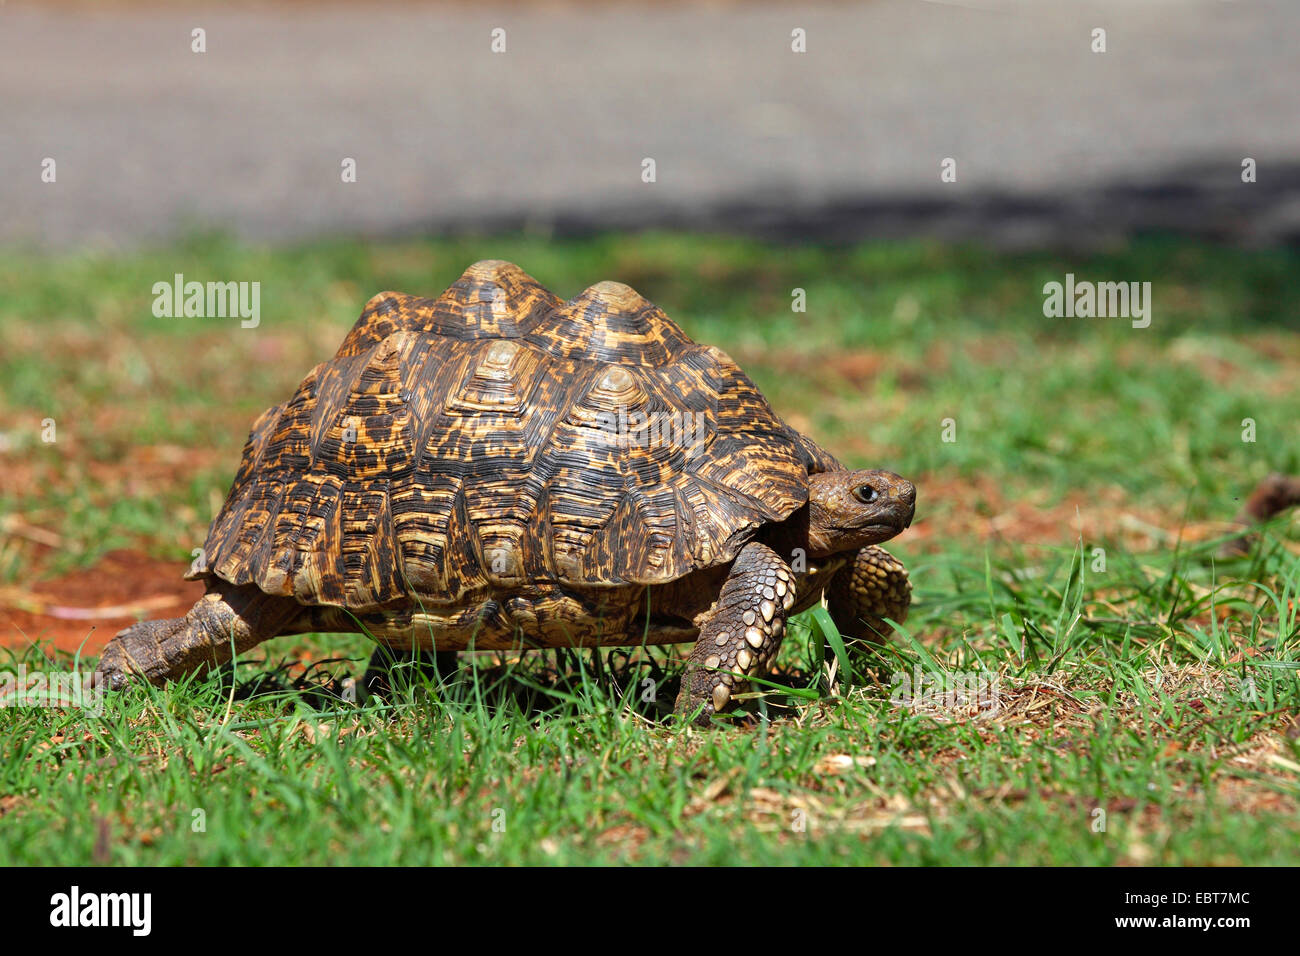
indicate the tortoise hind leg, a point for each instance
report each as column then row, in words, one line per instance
column 865, row 592
column 228, row 618
column 741, row 635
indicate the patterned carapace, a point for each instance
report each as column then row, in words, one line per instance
column 457, row 445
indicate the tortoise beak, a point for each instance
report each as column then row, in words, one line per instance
column 895, row 502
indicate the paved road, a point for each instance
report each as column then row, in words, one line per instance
column 845, row 139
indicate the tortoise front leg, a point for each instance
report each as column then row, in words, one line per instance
column 741, row 634
column 872, row 587
column 226, row 618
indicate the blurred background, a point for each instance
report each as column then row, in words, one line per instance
column 1052, row 140
column 863, row 204
column 793, row 146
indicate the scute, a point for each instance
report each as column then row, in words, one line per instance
column 497, row 438
column 491, row 299
column 610, row 322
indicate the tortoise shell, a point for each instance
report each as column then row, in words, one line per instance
column 493, row 438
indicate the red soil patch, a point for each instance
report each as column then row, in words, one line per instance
column 964, row 508
column 84, row 609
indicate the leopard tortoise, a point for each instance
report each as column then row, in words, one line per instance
column 498, row 469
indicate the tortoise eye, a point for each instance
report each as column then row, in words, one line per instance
column 866, row 494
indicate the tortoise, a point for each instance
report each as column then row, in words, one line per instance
column 499, row 469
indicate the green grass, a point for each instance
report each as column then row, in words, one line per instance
column 1158, row 690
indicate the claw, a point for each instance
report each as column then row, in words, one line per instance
column 136, row 650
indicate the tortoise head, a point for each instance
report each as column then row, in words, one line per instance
column 848, row 510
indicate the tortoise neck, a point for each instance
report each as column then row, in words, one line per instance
column 791, row 538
